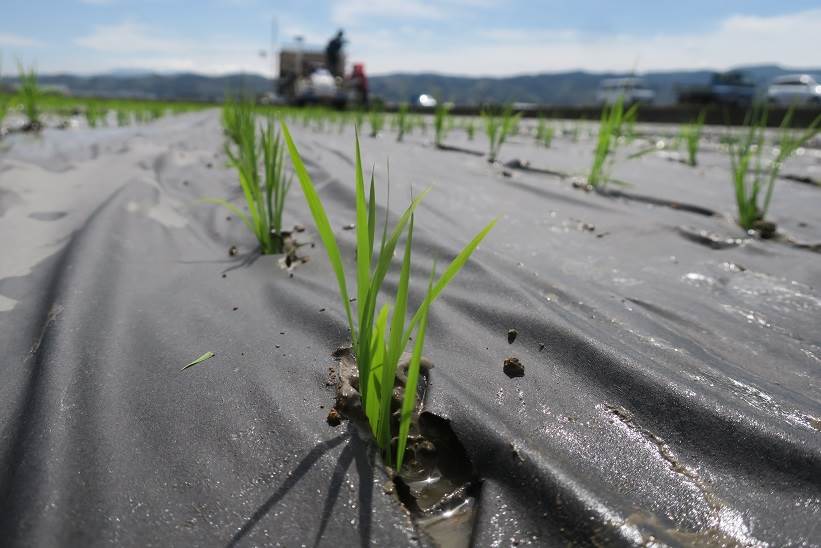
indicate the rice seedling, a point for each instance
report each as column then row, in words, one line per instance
column 547, row 136
column 4, row 107
column 629, row 123
column 92, row 114
column 30, row 93
column 470, row 128
column 378, row 343
column 402, row 121
column 359, row 118
column 749, row 174
column 612, row 120
column 440, row 117
column 264, row 189
column 376, row 119
column 4, row 100
column 422, row 124
column 576, row 129
column 237, row 115
column 123, row 117
column 342, row 121
column 691, row 135
column 497, row 128
column 544, row 133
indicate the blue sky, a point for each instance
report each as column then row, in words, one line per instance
column 472, row 37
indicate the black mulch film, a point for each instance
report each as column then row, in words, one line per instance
column 671, row 388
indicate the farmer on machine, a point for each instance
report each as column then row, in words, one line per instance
column 332, row 52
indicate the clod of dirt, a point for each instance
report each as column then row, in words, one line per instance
column 511, row 335
column 514, row 368
column 349, row 226
column 232, row 251
column 437, row 483
column 582, row 184
column 765, row 229
column 334, row 419
column 31, row 127
column 299, row 228
column 541, row 347
column 290, row 246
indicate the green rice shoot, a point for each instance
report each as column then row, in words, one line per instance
column 470, row 128
column 379, row 337
column 30, row 93
column 544, row 132
column 403, row 124
column 376, row 119
column 264, row 188
column 610, row 129
column 497, row 129
column 691, row 135
column 440, row 126
column 4, row 100
column 749, row 174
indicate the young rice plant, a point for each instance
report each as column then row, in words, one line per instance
column 376, row 118
column 30, row 93
column 264, row 189
column 440, row 118
column 544, row 133
column 379, row 340
column 750, row 176
column 402, row 121
column 4, row 100
column 612, row 122
column 237, row 114
column 497, row 128
column 470, row 128
column 691, row 135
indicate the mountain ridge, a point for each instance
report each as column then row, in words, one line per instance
column 570, row 88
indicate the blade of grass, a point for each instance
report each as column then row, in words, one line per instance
column 394, row 345
column 409, row 399
column 206, row 356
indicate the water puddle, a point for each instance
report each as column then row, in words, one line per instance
column 437, row 483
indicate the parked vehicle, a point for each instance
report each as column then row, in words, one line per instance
column 426, row 101
column 794, row 89
column 633, row 90
column 725, row 88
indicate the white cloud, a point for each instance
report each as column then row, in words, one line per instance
column 786, row 39
column 128, row 37
column 353, row 12
column 133, row 45
column 17, row 41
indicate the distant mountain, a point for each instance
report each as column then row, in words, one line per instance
column 563, row 88
column 141, row 84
